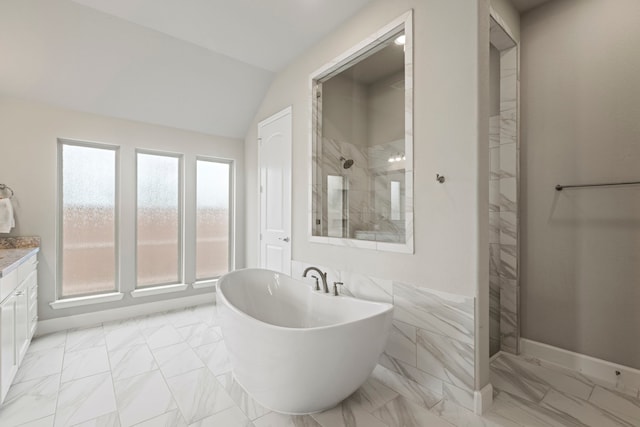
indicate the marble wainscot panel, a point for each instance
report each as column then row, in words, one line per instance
column 444, row 340
column 431, row 349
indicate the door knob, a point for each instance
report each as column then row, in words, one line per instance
column 286, row 239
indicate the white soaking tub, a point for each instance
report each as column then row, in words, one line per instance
column 296, row 350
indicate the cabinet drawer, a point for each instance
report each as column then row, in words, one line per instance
column 27, row 267
column 8, row 284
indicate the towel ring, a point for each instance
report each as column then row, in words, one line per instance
column 4, row 187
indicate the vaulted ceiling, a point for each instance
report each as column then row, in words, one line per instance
column 201, row 65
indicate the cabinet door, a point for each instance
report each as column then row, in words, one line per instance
column 8, row 353
column 22, row 321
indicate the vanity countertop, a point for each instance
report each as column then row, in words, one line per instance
column 15, row 250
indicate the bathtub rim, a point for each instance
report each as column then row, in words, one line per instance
column 319, row 294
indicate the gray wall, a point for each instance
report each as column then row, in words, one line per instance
column 344, row 105
column 385, row 109
column 28, row 164
column 581, row 124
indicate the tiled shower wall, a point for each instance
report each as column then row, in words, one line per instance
column 357, row 185
column 432, row 339
column 503, row 212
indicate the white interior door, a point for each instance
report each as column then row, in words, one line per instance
column 274, row 138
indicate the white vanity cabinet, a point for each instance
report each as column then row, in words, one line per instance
column 18, row 318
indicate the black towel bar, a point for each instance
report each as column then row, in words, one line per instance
column 610, row 184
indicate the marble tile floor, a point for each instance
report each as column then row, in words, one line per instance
column 171, row 369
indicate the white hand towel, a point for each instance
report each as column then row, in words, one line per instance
column 7, row 222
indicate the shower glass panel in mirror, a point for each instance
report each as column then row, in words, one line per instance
column 362, row 147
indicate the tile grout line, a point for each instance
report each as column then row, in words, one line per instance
column 37, row 419
column 64, row 353
column 113, row 381
column 244, row 391
column 164, row 379
column 146, row 344
column 172, row 397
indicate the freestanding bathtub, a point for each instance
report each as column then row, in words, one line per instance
column 296, row 350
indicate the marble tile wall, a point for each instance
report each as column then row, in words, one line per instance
column 504, row 154
column 367, row 183
column 509, row 179
column 357, row 180
column 432, row 342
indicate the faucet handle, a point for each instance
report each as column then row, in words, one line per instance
column 317, row 282
column 335, row 288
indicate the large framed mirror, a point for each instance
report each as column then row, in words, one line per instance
column 362, row 145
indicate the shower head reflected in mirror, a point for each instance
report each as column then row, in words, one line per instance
column 347, row 162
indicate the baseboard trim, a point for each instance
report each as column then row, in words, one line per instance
column 627, row 378
column 90, row 319
column 483, row 399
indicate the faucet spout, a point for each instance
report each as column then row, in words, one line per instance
column 323, row 276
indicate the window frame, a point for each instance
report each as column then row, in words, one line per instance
column 110, row 294
column 180, row 283
column 231, row 247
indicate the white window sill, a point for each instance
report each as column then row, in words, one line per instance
column 157, row 290
column 205, row 284
column 86, row 300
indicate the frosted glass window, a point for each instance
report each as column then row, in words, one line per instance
column 88, row 219
column 158, row 220
column 212, row 219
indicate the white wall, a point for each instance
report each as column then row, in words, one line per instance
column 63, row 53
column 28, row 164
column 446, row 141
column 581, row 124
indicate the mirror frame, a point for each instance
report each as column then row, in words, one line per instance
column 343, row 61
